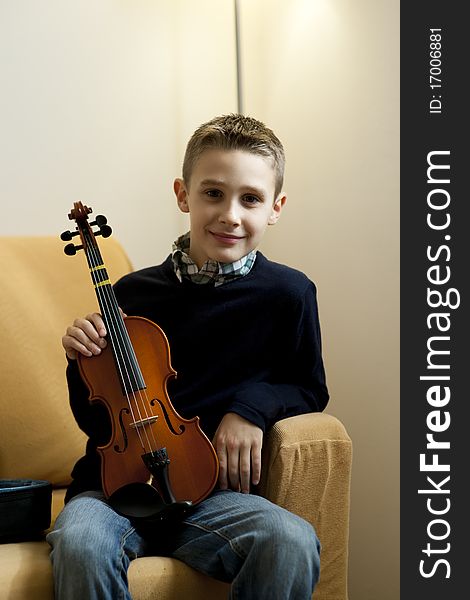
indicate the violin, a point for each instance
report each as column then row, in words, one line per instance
column 156, row 464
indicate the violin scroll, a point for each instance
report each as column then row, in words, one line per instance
column 79, row 214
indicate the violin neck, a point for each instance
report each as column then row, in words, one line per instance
column 126, row 361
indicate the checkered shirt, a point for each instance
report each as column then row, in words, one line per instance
column 211, row 271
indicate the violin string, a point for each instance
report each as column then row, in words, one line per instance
column 125, row 378
column 123, row 348
column 137, row 392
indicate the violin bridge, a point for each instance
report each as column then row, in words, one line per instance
column 143, row 422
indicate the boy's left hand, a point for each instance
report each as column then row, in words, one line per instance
column 238, row 445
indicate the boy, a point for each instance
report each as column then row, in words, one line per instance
column 245, row 342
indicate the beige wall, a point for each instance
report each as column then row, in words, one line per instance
column 325, row 76
column 98, row 99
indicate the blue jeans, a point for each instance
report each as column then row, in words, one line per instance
column 266, row 552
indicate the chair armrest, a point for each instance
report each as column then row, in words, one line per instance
column 307, row 469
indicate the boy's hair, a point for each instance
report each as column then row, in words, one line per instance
column 235, row 132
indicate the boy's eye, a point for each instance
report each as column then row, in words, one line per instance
column 214, row 193
column 250, row 199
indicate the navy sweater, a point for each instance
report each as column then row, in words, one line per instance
column 251, row 346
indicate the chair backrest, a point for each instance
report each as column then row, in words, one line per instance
column 41, row 292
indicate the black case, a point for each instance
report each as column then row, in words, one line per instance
column 25, row 509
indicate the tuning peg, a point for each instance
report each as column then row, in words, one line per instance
column 100, row 221
column 105, row 231
column 71, row 249
column 66, row 236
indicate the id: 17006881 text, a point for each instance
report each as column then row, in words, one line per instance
column 435, row 70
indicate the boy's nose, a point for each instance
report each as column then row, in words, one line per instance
column 229, row 215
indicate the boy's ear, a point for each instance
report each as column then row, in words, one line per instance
column 277, row 209
column 181, row 193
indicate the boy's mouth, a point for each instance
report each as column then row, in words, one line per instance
column 226, row 238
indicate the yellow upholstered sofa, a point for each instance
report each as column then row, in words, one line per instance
column 307, row 459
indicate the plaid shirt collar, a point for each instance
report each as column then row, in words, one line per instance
column 211, row 271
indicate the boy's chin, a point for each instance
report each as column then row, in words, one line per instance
column 229, row 257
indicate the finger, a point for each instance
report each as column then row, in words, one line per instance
column 97, row 321
column 233, row 467
column 70, row 351
column 123, row 314
column 77, row 340
column 83, row 337
column 73, row 347
column 245, row 469
column 222, row 456
column 87, row 327
column 255, row 464
column 94, row 329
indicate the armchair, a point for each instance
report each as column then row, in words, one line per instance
column 306, row 459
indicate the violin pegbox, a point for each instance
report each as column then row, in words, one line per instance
column 79, row 214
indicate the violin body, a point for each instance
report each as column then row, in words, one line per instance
column 193, row 463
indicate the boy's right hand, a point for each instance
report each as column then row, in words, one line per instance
column 85, row 336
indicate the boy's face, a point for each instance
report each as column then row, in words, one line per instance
column 230, row 201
